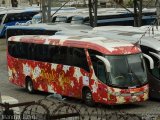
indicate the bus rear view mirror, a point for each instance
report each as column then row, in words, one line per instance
column 155, row 55
column 106, row 62
column 151, row 62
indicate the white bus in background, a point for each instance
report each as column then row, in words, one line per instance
column 63, row 17
column 117, row 16
column 38, row 17
column 44, row 29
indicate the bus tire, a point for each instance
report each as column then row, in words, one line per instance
column 87, row 97
column 29, row 86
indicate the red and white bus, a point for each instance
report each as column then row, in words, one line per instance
column 95, row 69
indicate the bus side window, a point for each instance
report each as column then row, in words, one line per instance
column 14, row 50
column 30, row 15
column 31, row 51
column 54, row 19
column 25, row 50
column 38, row 52
column 9, row 18
column 59, row 54
column 18, row 50
column 69, row 58
column 11, row 48
column 99, row 69
column 69, row 20
column 50, row 51
column 45, row 53
column 13, row 53
column 18, row 17
column 63, row 55
column 86, row 21
column 24, row 18
column 79, row 59
column 49, row 32
column 54, row 54
column 19, row 32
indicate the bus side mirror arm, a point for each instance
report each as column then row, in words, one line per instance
column 106, row 62
column 150, row 60
column 156, row 55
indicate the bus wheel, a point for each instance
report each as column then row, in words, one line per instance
column 29, row 86
column 87, row 96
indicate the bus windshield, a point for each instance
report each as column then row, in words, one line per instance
column 127, row 70
column 61, row 19
column 36, row 19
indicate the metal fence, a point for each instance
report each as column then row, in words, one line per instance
column 52, row 109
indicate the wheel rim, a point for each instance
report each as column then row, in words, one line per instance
column 88, row 97
column 29, row 86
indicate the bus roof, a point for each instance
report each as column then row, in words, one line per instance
column 133, row 34
column 52, row 26
column 127, row 33
column 101, row 44
column 67, row 14
column 17, row 11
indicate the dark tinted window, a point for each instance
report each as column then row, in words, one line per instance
column 99, row 66
column 99, row 69
column 79, row 58
column 31, row 51
column 13, row 17
column 69, row 19
column 54, row 54
column 54, row 19
column 94, row 52
column 41, row 53
column 77, row 20
column 14, row 32
column 49, row 53
column 86, row 21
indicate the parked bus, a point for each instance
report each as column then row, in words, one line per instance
column 63, row 17
column 95, row 69
column 120, row 17
column 43, row 29
column 149, row 45
column 38, row 17
column 11, row 17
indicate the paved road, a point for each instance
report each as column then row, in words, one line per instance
column 8, row 89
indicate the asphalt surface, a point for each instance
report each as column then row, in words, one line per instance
column 6, row 88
